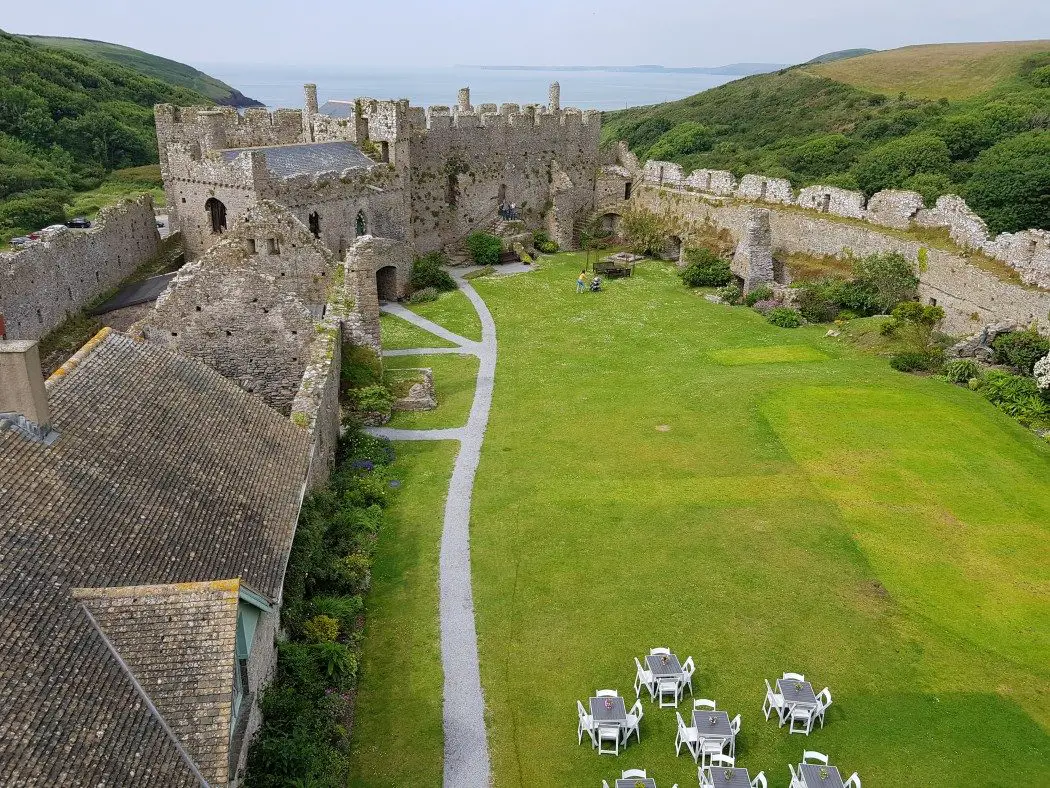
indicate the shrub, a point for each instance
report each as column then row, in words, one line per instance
column 344, row 609
column 321, row 629
column 817, row 301
column 760, row 293
column 765, row 307
column 889, row 165
column 372, row 399
column 428, row 272
column 915, row 323
column 644, row 231
column 337, row 662
column 705, row 269
column 785, row 317
column 1020, row 349
column 730, row 293
column 1010, row 181
column 1041, row 371
column 682, row 140
column 881, row 282
column 1016, row 396
column 484, row 248
column 423, row 296
column 543, row 242
column 962, row 370
column 931, row 360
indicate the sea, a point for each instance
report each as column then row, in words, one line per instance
column 282, row 86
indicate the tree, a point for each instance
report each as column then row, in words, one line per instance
column 887, row 166
column 884, row 280
column 682, row 140
column 820, row 156
column 1010, row 183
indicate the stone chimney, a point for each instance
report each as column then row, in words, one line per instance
column 753, row 260
column 311, row 98
column 463, row 100
column 554, row 97
column 23, row 398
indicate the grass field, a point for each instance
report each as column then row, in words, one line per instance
column 453, row 311
column 660, row 470
column 954, row 71
column 119, row 185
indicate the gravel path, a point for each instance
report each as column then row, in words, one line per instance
column 466, row 740
column 430, row 351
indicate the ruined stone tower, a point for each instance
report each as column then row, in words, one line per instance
column 753, row 260
column 554, row 97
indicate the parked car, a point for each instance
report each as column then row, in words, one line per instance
column 79, row 223
column 19, row 240
column 34, row 236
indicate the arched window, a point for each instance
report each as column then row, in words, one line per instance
column 451, row 189
column 501, row 196
column 217, row 213
column 362, row 224
column 315, row 224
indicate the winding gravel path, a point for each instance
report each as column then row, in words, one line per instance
column 466, row 740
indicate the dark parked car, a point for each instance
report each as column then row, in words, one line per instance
column 79, row 223
column 19, row 240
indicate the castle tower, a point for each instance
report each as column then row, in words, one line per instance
column 311, row 98
column 212, row 129
column 463, row 100
column 554, row 97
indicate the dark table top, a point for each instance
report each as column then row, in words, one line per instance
column 616, row 715
column 803, row 697
column 737, row 777
column 811, row 776
column 672, row 669
column 631, row 782
column 704, row 728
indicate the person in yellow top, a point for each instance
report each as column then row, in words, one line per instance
column 581, row 281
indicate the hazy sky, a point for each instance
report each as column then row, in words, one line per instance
column 533, row 32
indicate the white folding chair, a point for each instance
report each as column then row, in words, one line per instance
column 852, row 782
column 605, row 784
column 759, row 781
column 794, row 677
column 722, row 760
column 586, row 725
column 704, row 775
column 633, row 773
column 643, row 678
column 711, row 748
column 657, row 651
column 734, row 726
column 690, row 737
column 704, row 703
column 607, row 694
column 688, row 669
column 801, row 719
column 609, row 733
column 823, row 701
column 668, row 687
column 812, row 756
column 634, row 718
column 773, row 702
column 796, row 781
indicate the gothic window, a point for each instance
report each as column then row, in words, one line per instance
column 217, row 213
column 315, row 224
column 362, row 224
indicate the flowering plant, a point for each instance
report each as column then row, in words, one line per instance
column 1041, row 370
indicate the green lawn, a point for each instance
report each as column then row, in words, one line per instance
column 660, row 470
column 454, row 378
column 397, row 737
column 398, row 334
column 453, row 311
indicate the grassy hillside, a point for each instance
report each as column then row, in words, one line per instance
column 992, row 147
column 840, row 54
column 66, row 121
column 955, row 71
column 170, row 71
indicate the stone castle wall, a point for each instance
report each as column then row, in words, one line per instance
column 1027, row 252
column 48, row 281
column 970, row 296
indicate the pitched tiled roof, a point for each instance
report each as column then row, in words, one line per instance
column 309, row 158
column 165, row 472
column 179, row 642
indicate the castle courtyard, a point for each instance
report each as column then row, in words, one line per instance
column 659, row 470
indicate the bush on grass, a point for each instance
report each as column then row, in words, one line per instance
column 1015, row 395
column 484, row 248
column 820, row 301
column 731, row 294
column 374, row 398
column 1021, row 349
column 760, row 293
column 423, row 296
column 1041, row 371
column 962, row 370
column 705, row 269
column 321, row 629
column 785, row 317
column 428, row 272
column 765, row 307
column 881, row 281
column 543, row 242
column 931, row 360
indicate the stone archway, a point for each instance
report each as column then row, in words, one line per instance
column 672, row 248
column 386, row 283
column 216, row 214
column 611, row 223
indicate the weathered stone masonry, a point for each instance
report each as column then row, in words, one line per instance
column 43, row 284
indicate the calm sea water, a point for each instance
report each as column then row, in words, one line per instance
column 282, row 86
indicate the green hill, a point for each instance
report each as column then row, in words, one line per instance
column 842, row 54
column 810, row 125
column 66, row 121
column 170, row 71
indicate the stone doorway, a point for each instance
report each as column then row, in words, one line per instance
column 386, row 283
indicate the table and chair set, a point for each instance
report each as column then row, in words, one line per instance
column 711, row 737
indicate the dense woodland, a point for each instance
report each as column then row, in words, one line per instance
column 66, row 120
column 993, row 149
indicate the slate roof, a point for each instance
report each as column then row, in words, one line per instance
column 337, row 109
column 179, row 642
column 165, row 472
column 287, row 160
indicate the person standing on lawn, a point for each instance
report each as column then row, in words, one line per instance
column 581, row 281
